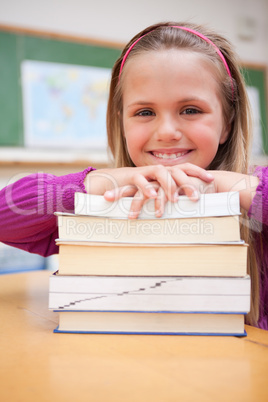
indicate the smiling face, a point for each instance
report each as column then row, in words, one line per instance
column 172, row 111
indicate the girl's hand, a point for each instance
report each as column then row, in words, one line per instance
column 139, row 199
column 158, row 182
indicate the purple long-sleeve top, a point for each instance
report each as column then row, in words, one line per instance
column 27, row 207
column 258, row 213
column 28, row 222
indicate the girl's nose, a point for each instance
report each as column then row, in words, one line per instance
column 168, row 129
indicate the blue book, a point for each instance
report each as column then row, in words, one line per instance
column 156, row 323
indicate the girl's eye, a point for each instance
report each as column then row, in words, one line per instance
column 145, row 113
column 191, row 110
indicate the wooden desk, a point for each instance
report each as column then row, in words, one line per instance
column 38, row 365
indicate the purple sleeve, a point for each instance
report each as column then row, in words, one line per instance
column 258, row 213
column 27, row 210
column 259, row 207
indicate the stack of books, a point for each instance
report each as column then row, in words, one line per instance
column 183, row 273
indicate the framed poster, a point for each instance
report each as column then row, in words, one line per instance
column 52, row 87
column 64, row 105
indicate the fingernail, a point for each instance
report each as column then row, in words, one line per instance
column 133, row 214
column 195, row 195
column 175, row 197
column 210, row 176
column 153, row 193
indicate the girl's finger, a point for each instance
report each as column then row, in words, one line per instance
column 136, row 205
column 145, row 185
column 160, row 203
column 120, row 192
column 185, row 186
column 194, row 171
column 164, row 177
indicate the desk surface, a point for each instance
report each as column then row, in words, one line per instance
column 38, row 365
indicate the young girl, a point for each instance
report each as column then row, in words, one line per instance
column 178, row 122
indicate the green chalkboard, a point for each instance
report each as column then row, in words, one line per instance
column 16, row 47
column 256, row 76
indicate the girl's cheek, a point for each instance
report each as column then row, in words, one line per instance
column 209, row 138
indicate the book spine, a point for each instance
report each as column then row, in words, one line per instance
column 238, row 334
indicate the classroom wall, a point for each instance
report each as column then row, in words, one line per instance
column 244, row 22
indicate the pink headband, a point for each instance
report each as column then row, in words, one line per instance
column 188, row 30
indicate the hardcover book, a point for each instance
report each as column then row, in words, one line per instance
column 218, row 229
column 151, row 323
column 87, row 258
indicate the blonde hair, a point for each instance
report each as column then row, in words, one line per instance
column 233, row 155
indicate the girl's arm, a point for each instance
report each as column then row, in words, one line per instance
column 230, row 181
column 181, row 179
column 27, row 210
column 253, row 190
column 259, row 207
column 27, row 206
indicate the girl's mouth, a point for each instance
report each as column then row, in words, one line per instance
column 164, row 155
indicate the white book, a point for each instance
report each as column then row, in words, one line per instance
column 150, row 294
column 215, row 204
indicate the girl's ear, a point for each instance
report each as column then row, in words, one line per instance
column 225, row 134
